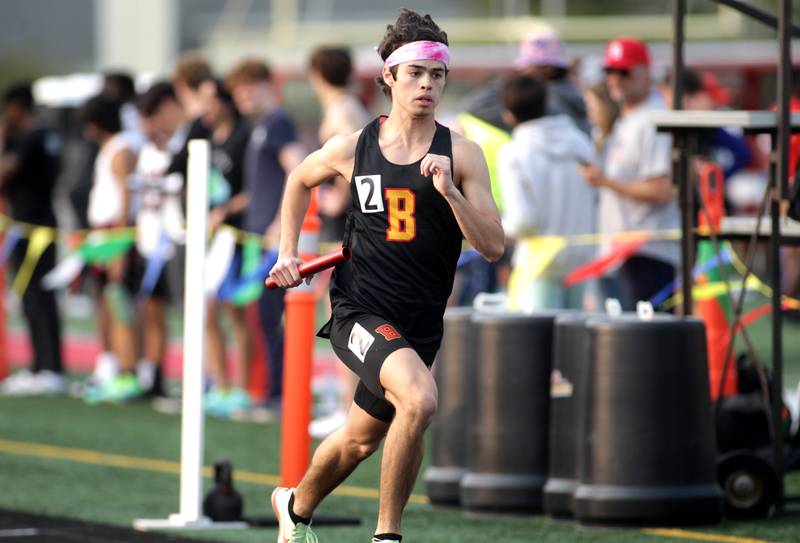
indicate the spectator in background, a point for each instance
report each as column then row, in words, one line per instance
column 702, row 91
column 229, row 138
column 602, row 112
column 342, row 113
column 541, row 54
column 330, row 70
column 28, row 170
column 791, row 255
column 544, row 193
column 156, row 212
column 119, row 86
column 108, row 208
column 273, row 152
column 193, row 85
column 636, row 193
column 794, row 141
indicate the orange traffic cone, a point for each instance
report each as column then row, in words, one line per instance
column 298, row 357
column 715, row 312
column 718, row 337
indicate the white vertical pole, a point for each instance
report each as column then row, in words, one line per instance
column 194, row 321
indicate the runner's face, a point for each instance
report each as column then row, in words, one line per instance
column 418, row 87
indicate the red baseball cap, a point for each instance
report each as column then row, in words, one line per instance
column 626, row 53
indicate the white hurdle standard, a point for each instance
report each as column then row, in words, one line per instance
column 194, row 319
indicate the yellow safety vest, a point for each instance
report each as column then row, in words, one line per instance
column 491, row 139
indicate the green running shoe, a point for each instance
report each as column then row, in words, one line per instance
column 225, row 403
column 213, row 401
column 122, row 388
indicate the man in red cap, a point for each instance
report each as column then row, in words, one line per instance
column 636, row 193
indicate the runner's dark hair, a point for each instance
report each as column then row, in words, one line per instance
column 410, row 26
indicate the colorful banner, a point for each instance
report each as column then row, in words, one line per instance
column 155, row 265
column 38, row 241
column 13, row 235
column 620, row 252
column 218, row 259
column 64, row 273
column 247, row 292
column 251, row 283
column 709, row 291
column 534, row 256
column 701, row 268
column 104, row 246
column 245, row 285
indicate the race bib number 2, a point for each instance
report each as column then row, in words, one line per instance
column 370, row 195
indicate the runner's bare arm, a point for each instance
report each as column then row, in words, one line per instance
column 334, row 158
column 473, row 205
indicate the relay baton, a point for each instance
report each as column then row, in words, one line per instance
column 317, row 265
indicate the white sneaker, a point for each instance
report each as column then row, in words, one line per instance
column 288, row 531
column 48, row 382
column 106, row 368
column 322, row 427
column 146, row 373
column 16, row 384
column 25, row 383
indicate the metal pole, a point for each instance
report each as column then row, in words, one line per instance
column 681, row 175
column 680, row 161
column 678, row 37
column 780, row 177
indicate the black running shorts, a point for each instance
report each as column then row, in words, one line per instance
column 363, row 342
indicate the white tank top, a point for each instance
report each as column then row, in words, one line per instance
column 157, row 200
column 106, row 196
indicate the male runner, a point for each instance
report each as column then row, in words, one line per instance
column 416, row 190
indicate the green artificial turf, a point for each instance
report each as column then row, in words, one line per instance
column 118, row 495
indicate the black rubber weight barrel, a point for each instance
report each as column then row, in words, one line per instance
column 649, row 453
column 507, row 461
column 454, row 371
column 567, row 398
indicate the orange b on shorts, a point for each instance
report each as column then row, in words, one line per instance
column 388, row 332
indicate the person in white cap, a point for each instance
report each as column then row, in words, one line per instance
column 541, row 54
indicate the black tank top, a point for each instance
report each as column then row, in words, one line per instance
column 405, row 242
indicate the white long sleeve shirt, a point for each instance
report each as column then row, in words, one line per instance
column 543, row 193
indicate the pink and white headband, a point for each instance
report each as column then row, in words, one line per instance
column 419, row 50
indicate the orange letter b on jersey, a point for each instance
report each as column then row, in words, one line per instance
column 401, row 205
